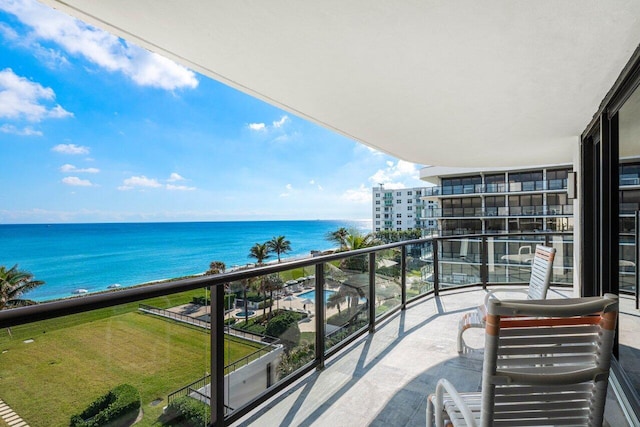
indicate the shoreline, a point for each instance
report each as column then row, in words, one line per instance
column 156, row 281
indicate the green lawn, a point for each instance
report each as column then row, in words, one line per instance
column 75, row 359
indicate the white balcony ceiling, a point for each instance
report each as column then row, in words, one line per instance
column 449, row 83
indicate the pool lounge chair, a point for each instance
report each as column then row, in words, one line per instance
column 546, row 362
column 541, row 272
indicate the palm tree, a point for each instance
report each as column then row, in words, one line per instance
column 338, row 236
column 259, row 251
column 272, row 282
column 279, row 245
column 216, row 267
column 356, row 240
column 335, row 299
column 14, row 283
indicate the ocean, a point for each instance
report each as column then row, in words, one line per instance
column 68, row 257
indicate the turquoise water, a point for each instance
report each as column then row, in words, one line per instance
column 94, row 256
column 312, row 295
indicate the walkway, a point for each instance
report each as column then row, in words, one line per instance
column 11, row 418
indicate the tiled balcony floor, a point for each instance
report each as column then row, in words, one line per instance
column 383, row 379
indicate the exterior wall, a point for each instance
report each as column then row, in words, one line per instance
column 249, row 381
column 401, row 209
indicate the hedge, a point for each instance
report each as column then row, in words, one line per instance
column 189, row 412
column 118, row 407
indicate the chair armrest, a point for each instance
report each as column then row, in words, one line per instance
column 445, row 386
column 491, row 294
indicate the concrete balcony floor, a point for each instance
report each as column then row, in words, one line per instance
column 383, row 379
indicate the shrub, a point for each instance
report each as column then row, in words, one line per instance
column 285, row 327
column 118, row 407
column 189, row 412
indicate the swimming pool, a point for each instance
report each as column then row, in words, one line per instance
column 312, row 295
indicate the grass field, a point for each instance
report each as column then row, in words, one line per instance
column 75, row 359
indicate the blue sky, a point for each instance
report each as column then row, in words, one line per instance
column 95, row 129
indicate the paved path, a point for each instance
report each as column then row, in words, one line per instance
column 10, row 417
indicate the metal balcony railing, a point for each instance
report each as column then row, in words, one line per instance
column 502, row 211
column 505, row 187
column 347, row 295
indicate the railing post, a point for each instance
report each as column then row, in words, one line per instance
column 372, row 292
column 217, row 355
column 546, row 240
column 403, row 277
column 484, row 268
column 320, row 311
column 436, row 268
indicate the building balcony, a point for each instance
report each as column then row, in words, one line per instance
column 502, row 211
column 158, row 337
column 498, row 188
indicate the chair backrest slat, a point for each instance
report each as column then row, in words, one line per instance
column 541, row 271
column 547, row 369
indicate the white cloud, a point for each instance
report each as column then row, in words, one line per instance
column 361, row 194
column 287, row 193
column 261, row 127
column 26, row 131
column 67, row 168
column 394, row 175
column 173, row 187
column 312, row 182
column 22, row 99
column 76, row 182
column 175, row 177
column 70, row 149
column 281, row 122
column 139, row 181
column 257, row 126
column 99, row 47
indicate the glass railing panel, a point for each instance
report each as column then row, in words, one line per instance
column 563, row 261
column 556, row 184
column 509, row 258
column 528, row 186
column 53, row 371
column 503, row 211
column 347, row 288
column 627, row 263
column 419, row 269
column 276, row 312
column 540, row 185
column 459, row 262
column 567, row 209
column 447, row 189
column 388, row 280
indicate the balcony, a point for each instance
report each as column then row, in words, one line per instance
column 502, row 211
column 327, row 364
column 497, row 188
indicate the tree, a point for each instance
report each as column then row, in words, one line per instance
column 271, row 283
column 216, row 267
column 279, row 245
column 338, row 236
column 14, row 283
column 259, row 251
column 335, row 299
column 356, row 240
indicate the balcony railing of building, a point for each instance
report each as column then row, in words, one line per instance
column 332, row 299
column 502, row 211
column 508, row 187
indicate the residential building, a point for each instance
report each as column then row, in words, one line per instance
column 402, row 209
column 474, row 201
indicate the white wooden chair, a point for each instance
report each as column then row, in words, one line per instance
column 541, row 272
column 546, row 363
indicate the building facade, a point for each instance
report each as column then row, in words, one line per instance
column 402, row 209
column 474, row 201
